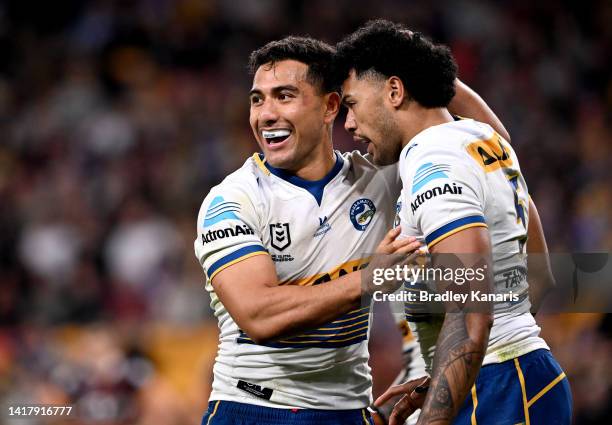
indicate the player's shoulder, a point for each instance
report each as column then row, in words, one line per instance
column 239, row 187
column 363, row 165
column 448, row 142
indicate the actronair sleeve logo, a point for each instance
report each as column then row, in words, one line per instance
column 453, row 189
column 219, row 210
column 228, row 232
column 428, row 172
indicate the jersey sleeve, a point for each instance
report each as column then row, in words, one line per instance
column 227, row 229
column 447, row 196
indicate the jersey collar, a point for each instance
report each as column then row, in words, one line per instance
column 314, row 187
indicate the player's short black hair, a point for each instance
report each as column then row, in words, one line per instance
column 317, row 54
column 427, row 70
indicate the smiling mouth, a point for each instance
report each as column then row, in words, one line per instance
column 364, row 140
column 275, row 136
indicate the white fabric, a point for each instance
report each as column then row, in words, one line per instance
column 462, row 174
column 326, row 241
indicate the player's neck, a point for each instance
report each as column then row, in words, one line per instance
column 418, row 119
column 320, row 162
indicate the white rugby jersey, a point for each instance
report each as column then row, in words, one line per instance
column 314, row 232
column 462, row 174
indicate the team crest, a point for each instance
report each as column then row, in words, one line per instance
column 361, row 213
column 279, row 236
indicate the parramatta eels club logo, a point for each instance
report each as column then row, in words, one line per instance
column 361, row 213
column 280, row 238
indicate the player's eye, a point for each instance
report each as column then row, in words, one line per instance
column 255, row 99
column 285, row 96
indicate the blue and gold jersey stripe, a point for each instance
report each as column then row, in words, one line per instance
column 349, row 329
column 233, row 258
column 336, row 272
column 454, row 227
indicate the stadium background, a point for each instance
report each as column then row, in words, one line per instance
column 116, row 117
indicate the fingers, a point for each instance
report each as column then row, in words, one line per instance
column 392, row 392
column 384, row 247
column 408, row 248
column 418, row 395
column 421, row 389
column 419, row 385
column 402, row 243
column 391, row 235
column 403, row 408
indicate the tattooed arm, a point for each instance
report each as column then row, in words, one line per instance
column 464, row 336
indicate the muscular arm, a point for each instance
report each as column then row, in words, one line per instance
column 265, row 310
column 539, row 275
column 463, row 339
column 467, row 103
column 250, row 292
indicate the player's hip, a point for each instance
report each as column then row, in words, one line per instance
column 347, row 386
column 221, row 412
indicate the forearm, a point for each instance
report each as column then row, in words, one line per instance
column 265, row 309
column 539, row 271
column 278, row 311
column 467, row 103
column 461, row 348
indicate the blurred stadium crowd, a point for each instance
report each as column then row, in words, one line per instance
column 117, row 117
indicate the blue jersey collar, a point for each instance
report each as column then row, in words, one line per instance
column 314, row 187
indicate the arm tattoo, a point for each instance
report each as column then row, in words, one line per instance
column 455, row 367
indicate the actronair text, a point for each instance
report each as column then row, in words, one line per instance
column 228, row 232
column 453, row 189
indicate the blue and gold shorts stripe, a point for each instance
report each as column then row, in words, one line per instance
column 231, row 413
column 530, row 389
column 233, row 258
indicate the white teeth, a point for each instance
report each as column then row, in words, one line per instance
column 275, row 133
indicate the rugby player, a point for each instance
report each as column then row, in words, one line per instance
column 281, row 241
column 397, row 90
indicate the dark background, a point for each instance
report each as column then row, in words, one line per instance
column 116, row 117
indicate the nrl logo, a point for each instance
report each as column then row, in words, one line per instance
column 279, row 236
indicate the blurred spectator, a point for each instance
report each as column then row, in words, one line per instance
column 117, row 118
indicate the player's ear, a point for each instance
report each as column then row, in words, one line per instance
column 332, row 106
column 396, row 94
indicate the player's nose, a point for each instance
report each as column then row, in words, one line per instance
column 350, row 124
column 268, row 114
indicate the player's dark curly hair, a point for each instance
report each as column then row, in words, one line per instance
column 427, row 70
column 317, row 54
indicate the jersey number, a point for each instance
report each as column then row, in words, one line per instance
column 490, row 154
column 519, row 205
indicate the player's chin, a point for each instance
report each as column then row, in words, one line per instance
column 375, row 154
column 380, row 159
column 280, row 159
